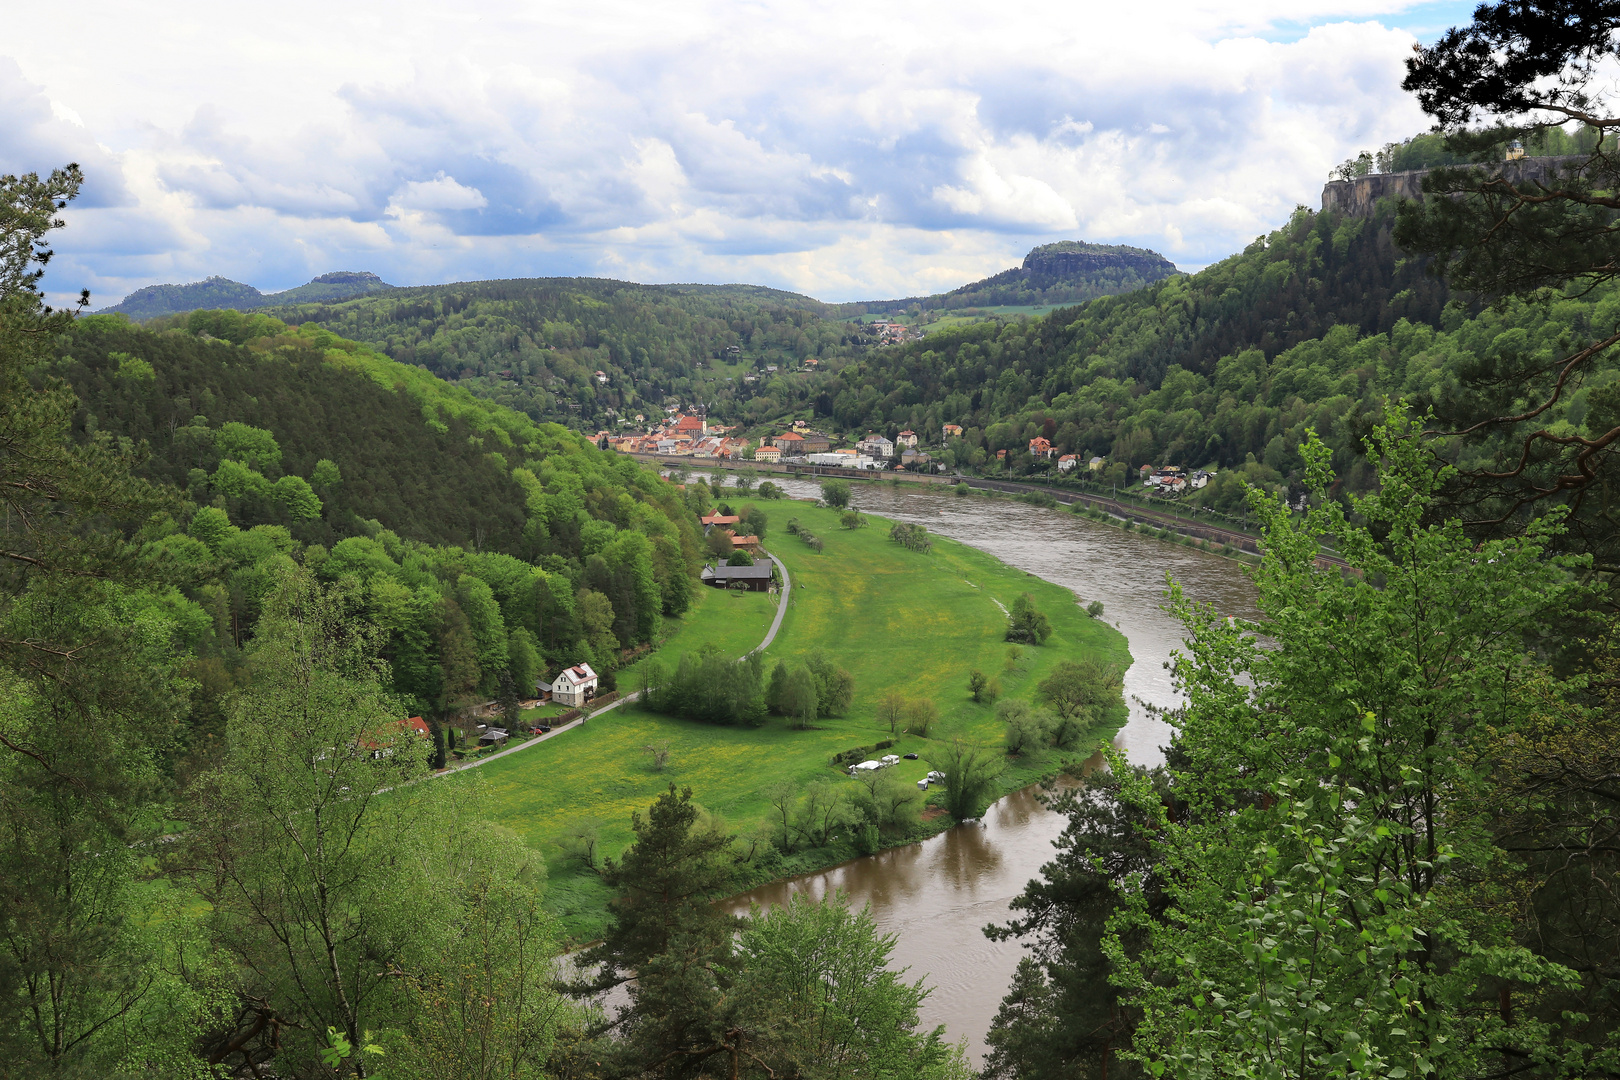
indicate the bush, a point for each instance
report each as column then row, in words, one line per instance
column 1025, row 624
column 911, row 537
column 852, row 520
column 739, row 557
column 768, row 490
column 835, row 493
column 1095, row 609
column 970, row 779
column 962, row 488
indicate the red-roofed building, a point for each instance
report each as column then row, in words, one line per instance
column 1067, row 462
column 717, row 518
column 690, row 425
column 381, row 741
column 907, row 439
column 1039, row 447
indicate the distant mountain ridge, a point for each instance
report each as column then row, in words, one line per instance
column 219, row 292
column 1067, row 272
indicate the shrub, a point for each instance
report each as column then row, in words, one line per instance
column 962, row 488
column 1095, row 609
column 970, row 779
column 911, row 537
column 835, row 493
column 739, row 557
column 1025, row 624
column 852, row 520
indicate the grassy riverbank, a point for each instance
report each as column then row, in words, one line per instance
column 896, row 619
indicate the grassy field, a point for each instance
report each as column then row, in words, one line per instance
column 894, row 618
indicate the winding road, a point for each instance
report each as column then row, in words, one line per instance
column 770, row 636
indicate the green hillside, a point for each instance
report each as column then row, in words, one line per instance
column 484, row 544
column 535, row 345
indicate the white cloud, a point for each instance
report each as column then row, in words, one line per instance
column 843, row 149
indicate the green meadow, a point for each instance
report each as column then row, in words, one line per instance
column 919, row 623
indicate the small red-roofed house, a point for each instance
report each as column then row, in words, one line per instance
column 1040, row 448
column 1068, row 462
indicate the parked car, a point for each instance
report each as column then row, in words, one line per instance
column 544, row 729
column 911, row 757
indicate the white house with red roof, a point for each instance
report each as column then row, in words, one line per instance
column 1068, row 462
column 575, row 686
column 907, row 439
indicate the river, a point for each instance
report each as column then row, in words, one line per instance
column 937, row 896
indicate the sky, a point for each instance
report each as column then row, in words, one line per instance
column 847, row 149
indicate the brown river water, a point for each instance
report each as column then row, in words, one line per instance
column 937, row 896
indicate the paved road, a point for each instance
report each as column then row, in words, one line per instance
column 776, row 624
column 781, row 605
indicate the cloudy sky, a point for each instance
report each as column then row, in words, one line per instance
column 848, row 149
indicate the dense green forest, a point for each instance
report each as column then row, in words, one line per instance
column 1204, row 368
column 535, row 345
column 487, row 546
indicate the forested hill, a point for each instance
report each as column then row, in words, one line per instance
column 411, row 453
column 219, row 292
column 486, row 545
column 1196, row 369
column 1068, row 272
column 537, row 344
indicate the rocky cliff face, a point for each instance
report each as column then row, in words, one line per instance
column 1358, row 197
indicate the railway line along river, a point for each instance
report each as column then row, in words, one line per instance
column 939, row 894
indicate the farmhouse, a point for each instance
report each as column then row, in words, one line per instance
column 575, row 686
column 717, row 518
column 756, row 578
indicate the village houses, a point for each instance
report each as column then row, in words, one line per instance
column 875, row 446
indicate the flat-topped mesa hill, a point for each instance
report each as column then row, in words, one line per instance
column 1067, row 272
column 220, row 292
column 1070, row 258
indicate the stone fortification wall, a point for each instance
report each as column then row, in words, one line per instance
column 1358, row 197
